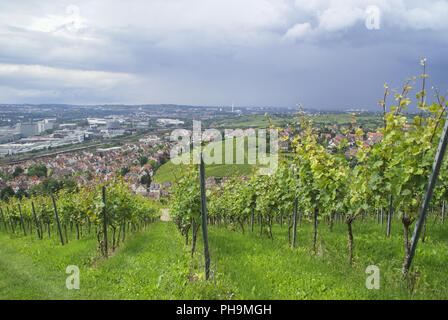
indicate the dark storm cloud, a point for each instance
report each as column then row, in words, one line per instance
column 261, row 52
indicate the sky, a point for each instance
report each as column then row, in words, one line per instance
column 324, row 54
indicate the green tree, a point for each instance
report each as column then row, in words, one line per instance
column 69, row 184
column 153, row 163
column 89, row 175
column 21, row 193
column 39, row 170
column 143, row 160
column 6, row 193
column 17, row 172
column 146, row 180
column 47, row 187
column 124, row 171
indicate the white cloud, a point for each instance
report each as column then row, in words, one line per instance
column 174, row 50
column 68, row 21
column 428, row 17
column 335, row 19
column 12, row 95
column 63, row 77
column 298, row 31
column 49, row 84
column 337, row 15
column 178, row 24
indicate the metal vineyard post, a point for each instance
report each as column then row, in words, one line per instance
column 57, row 219
column 104, row 220
column 204, row 219
column 428, row 195
column 21, row 220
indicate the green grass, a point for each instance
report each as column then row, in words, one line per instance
column 253, row 121
column 33, row 269
column 155, row 264
column 152, row 264
column 259, row 268
column 368, row 120
column 170, row 172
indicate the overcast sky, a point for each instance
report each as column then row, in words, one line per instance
column 215, row 52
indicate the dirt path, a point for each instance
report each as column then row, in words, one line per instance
column 165, row 215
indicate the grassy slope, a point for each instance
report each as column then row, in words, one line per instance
column 253, row 121
column 33, row 269
column 367, row 120
column 155, row 264
column 258, row 268
column 170, row 171
column 152, row 264
column 142, row 268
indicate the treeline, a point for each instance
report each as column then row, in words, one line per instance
column 48, row 186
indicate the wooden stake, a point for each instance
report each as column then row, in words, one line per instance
column 57, row 220
column 294, row 230
column 252, row 221
column 389, row 216
column 204, row 219
column 10, row 220
column 105, row 220
column 443, row 211
column 21, row 220
column 3, row 219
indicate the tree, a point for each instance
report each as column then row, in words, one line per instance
column 6, row 176
column 69, row 184
column 17, row 172
column 6, row 193
column 124, row 171
column 146, row 180
column 143, row 160
column 21, row 193
column 47, row 187
column 163, row 160
column 153, row 163
column 89, row 175
column 39, row 170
